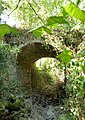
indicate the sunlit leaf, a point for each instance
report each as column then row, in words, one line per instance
column 74, row 11
column 54, row 20
column 40, row 30
column 65, row 14
column 47, row 30
column 65, row 56
column 5, row 29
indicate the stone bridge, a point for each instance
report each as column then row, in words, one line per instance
column 29, row 54
column 34, row 51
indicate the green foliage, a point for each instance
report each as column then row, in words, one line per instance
column 76, row 88
column 56, row 19
column 48, row 70
column 51, row 21
column 83, row 68
column 74, row 11
column 70, row 9
column 13, row 108
column 7, row 64
column 5, row 29
column 32, row 14
column 36, row 16
column 40, row 30
column 4, row 52
column 65, row 56
column 2, row 7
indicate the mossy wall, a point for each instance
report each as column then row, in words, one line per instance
column 19, row 69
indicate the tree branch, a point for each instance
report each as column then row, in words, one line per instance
column 30, row 6
column 35, row 11
column 14, row 8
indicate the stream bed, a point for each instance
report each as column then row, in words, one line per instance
column 32, row 107
column 41, row 109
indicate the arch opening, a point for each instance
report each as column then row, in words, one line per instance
column 47, row 74
column 42, row 79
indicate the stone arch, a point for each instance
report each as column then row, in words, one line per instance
column 28, row 55
column 31, row 52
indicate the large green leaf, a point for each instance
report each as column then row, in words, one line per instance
column 40, row 30
column 56, row 19
column 5, row 29
column 74, row 11
column 65, row 56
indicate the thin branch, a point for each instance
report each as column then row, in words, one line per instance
column 30, row 6
column 35, row 11
column 15, row 8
